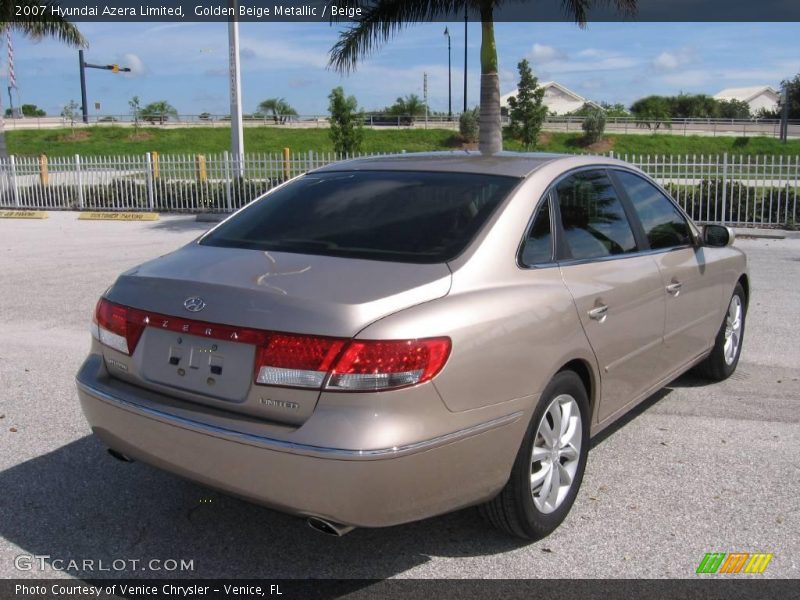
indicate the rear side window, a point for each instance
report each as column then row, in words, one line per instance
column 594, row 222
column 663, row 224
column 538, row 246
column 415, row 217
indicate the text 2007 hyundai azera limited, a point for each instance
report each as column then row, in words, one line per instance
column 387, row 339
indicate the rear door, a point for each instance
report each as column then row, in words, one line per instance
column 692, row 290
column 618, row 292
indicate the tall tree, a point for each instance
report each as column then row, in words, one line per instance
column 278, row 108
column 37, row 27
column 346, row 131
column 384, row 18
column 526, row 109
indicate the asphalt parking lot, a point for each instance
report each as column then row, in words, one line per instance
column 697, row 468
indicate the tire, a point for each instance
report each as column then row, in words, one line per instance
column 722, row 361
column 517, row 510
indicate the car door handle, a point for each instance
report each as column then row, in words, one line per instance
column 674, row 288
column 598, row 313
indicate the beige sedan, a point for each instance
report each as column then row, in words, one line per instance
column 387, row 339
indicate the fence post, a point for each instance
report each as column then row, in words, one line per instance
column 724, row 186
column 286, row 166
column 149, row 175
column 44, row 176
column 200, row 167
column 80, row 180
column 228, row 195
column 12, row 161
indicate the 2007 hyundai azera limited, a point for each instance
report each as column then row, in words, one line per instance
column 387, row 339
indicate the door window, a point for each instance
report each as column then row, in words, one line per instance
column 663, row 224
column 593, row 219
column 538, row 247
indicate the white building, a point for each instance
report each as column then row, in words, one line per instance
column 757, row 97
column 557, row 98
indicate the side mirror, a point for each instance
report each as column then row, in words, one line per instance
column 718, row 236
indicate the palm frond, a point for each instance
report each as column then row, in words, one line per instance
column 381, row 20
column 41, row 26
column 579, row 9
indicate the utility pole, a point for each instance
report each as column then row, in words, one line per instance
column 466, row 20
column 785, row 115
column 114, row 68
column 449, row 78
column 237, row 133
column 425, row 96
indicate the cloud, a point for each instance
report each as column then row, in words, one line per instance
column 542, row 54
column 669, row 61
column 666, row 62
column 135, row 64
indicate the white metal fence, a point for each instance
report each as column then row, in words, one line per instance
column 734, row 189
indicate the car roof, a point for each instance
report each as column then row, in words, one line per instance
column 511, row 164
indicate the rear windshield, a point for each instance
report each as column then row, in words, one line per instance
column 397, row 216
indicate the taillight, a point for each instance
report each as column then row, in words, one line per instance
column 358, row 365
column 296, row 360
column 382, row 365
column 117, row 326
column 291, row 360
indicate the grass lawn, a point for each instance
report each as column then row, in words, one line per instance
column 99, row 141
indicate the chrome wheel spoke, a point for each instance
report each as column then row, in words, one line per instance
column 555, row 486
column 569, row 452
column 537, row 478
column 539, row 453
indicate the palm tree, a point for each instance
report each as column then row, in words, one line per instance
column 279, row 108
column 384, row 18
column 36, row 27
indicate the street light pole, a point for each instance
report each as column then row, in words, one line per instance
column 83, row 66
column 449, row 79
column 84, row 103
column 237, row 134
column 466, row 19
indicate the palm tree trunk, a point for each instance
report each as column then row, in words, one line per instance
column 490, row 138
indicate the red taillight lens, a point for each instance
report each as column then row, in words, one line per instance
column 118, row 327
column 291, row 360
column 359, row 365
column 380, row 365
column 296, row 360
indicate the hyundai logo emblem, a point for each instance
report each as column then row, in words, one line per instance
column 194, row 304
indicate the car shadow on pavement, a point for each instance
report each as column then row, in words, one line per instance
column 79, row 503
column 181, row 223
column 629, row 416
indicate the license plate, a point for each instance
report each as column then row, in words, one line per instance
column 215, row 368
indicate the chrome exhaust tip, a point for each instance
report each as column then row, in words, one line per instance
column 119, row 456
column 328, row 527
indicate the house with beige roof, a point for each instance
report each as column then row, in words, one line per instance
column 558, row 99
column 757, row 97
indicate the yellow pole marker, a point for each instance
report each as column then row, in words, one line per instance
column 156, row 168
column 44, row 177
column 286, row 165
column 200, row 167
column 23, row 214
column 118, row 216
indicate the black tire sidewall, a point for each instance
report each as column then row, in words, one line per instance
column 536, row 523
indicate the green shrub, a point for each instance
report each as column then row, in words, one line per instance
column 594, row 125
column 469, row 125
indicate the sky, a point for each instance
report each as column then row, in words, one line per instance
column 186, row 64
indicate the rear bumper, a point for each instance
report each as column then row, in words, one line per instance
column 372, row 488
